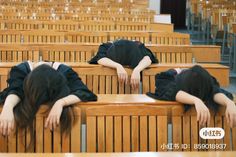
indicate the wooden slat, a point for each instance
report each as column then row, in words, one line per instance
column 143, row 133
column 186, row 133
column 117, row 134
column 109, row 134
column 101, row 133
column 57, row 143
column 91, row 134
column 152, row 133
column 39, row 134
column 135, row 133
column 126, row 134
column 177, row 132
column 162, row 132
column 76, row 135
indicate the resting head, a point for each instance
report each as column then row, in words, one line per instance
column 196, row 81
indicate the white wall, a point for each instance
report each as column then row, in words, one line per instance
column 155, row 5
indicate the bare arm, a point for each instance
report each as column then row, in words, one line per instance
column 145, row 62
column 7, row 120
column 135, row 77
column 122, row 74
column 230, row 112
column 53, row 118
column 203, row 114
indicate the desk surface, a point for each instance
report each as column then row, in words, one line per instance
column 139, row 154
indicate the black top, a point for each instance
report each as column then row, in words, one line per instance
column 19, row 72
column 166, row 88
column 125, row 52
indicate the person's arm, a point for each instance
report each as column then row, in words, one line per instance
column 53, row 118
column 122, row 74
column 135, row 77
column 230, row 112
column 7, row 120
column 203, row 114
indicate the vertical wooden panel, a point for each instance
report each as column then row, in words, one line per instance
column 146, row 83
column 186, row 132
column 39, row 134
column 65, row 141
column 126, row 134
column 218, row 123
column 76, row 135
column 152, row 133
column 212, row 124
column 162, row 131
column 91, row 134
column 117, row 134
column 90, row 82
column 234, row 138
column 143, row 133
column 101, row 133
column 102, row 85
column 12, row 146
column 114, row 84
column 21, row 141
column 194, row 132
column 109, row 134
column 95, row 83
column 47, row 140
column 3, row 144
column 227, row 135
column 57, row 140
column 135, row 133
column 108, row 84
column 177, row 132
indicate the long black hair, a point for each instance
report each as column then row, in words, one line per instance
column 44, row 85
column 198, row 82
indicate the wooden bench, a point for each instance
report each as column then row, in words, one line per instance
column 131, row 154
column 166, row 38
column 86, row 37
column 186, row 131
column 126, row 128
column 103, row 80
column 184, row 126
column 83, row 52
column 46, row 141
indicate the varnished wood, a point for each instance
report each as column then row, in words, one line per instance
column 136, row 154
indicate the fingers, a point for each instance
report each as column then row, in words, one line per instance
column 52, row 122
column 135, row 83
column 204, row 117
column 123, row 78
column 6, row 127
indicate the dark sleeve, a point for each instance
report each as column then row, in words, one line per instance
column 217, row 89
column 102, row 52
column 166, row 88
column 15, row 82
column 77, row 87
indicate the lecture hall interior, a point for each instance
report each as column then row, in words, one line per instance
column 124, row 121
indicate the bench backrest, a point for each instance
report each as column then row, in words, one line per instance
column 126, row 128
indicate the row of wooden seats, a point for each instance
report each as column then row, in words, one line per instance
column 68, row 25
column 78, row 17
column 78, row 10
column 84, row 52
column 47, row 36
column 124, row 123
column 123, row 4
column 103, row 80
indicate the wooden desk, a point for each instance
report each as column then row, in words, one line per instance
column 138, row 154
